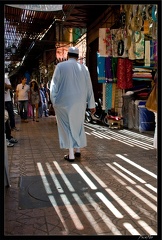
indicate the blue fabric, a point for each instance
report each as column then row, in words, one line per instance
column 108, row 96
column 101, row 69
column 70, row 90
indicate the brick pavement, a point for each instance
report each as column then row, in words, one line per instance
column 110, row 190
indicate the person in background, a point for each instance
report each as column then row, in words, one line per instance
column 22, row 95
column 35, row 98
column 45, row 98
column 43, row 107
column 70, row 91
column 9, row 103
column 9, row 139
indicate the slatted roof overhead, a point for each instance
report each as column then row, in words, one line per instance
column 23, row 26
column 26, row 28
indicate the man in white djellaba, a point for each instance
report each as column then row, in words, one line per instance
column 70, row 92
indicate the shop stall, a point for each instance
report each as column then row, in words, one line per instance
column 127, row 62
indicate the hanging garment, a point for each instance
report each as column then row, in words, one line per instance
column 101, row 68
column 102, row 42
column 139, row 45
column 124, row 73
column 108, row 96
column 114, row 63
column 108, row 41
column 114, row 34
column 108, row 69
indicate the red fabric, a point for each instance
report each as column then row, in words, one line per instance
column 124, row 73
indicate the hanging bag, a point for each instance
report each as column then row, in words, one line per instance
column 151, row 103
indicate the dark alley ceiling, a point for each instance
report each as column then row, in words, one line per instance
column 27, row 29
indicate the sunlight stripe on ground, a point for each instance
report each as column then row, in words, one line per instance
column 84, row 176
column 88, row 215
column 96, row 177
column 109, row 205
column 121, row 174
column 136, row 165
column 123, row 204
column 72, row 212
column 103, row 216
column 55, row 206
column 81, row 204
column 147, row 192
column 145, row 200
column 132, row 141
column 87, row 133
column 137, row 135
column 96, row 134
column 137, row 186
column 68, row 184
column 44, row 179
column 119, row 137
column 129, row 173
column 51, row 198
column 118, row 200
column 131, row 229
column 53, row 176
column 147, row 227
column 151, row 187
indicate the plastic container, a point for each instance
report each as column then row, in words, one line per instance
column 146, row 119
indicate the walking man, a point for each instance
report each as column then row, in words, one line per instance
column 70, row 91
column 22, row 94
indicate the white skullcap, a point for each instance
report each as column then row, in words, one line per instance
column 73, row 50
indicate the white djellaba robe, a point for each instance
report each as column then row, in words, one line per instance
column 70, row 91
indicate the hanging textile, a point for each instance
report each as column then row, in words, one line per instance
column 108, row 69
column 114, row 34
column 139, row 45
column 102, row 43
column 124, row 73
column 113, row 95
column 147, row 53
column 155, row 49
column 108, row 96
column 114, row 62
column 108, row 42
column 101, row 68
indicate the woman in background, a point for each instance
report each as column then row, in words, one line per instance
column 35, row 98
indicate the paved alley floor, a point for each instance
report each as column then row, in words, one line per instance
column 110, row 190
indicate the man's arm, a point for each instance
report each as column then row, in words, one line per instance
column 8, row 86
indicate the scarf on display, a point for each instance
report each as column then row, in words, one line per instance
column 124, row 73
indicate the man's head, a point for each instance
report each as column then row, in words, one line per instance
column 73, row 52
column 23, row 79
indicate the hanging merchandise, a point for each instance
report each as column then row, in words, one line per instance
column 108, row 41
column 114, row 42
column 108, row 96
column 114, row 62
column 147, row 53
column 124, row 73
column 102, row 45
column 155, row 47
column 101, row 68
column 108, row 69
column 139, row 45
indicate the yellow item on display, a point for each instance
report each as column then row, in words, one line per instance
column 146, row 27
